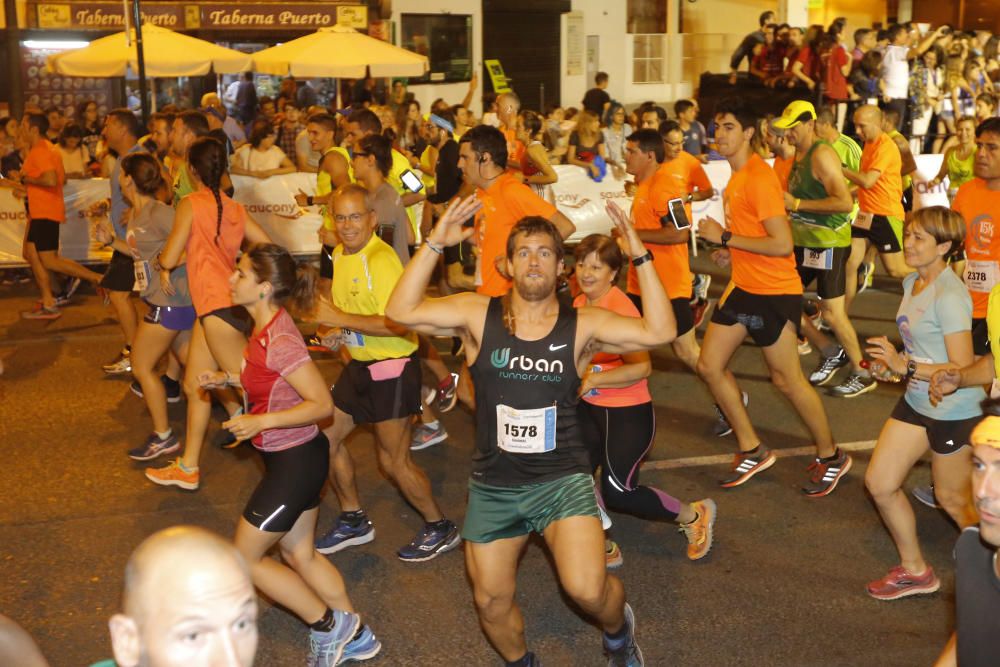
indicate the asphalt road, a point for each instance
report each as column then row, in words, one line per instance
column 783, row 585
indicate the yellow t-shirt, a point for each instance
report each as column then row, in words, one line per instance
column 993, row 327
column 399, row 165
column 362, row 283
column 324, row 185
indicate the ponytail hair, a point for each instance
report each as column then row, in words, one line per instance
column 293, row 285
column 144, row 171
column 207, row 156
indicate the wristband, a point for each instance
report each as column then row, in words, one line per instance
column 642, row 259
column 433, row 246
column 309, row 200
column 798, row 202
column 724, row 240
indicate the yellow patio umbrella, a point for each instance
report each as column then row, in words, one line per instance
column 167, row 54
column 339, row 52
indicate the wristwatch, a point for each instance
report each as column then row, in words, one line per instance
column 642, row 259
column 726, row 235
column 911, row 368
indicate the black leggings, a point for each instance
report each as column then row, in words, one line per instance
column 632, row 429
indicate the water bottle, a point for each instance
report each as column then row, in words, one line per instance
column 881, row 372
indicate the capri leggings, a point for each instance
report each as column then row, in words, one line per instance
column 626, row 436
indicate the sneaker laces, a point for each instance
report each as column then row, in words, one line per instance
column 830, row 364
column 853, row 382
column 694, row 531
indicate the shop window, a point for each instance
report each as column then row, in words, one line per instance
column 446, row 40
column 647, row 59
column 647, row 16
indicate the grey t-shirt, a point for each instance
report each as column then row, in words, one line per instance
column 147, row 232
column 392, row 219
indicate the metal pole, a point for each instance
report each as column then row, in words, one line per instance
column 541, row 97
column 15, row 87
column 141, row 58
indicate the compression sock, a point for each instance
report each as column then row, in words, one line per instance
column 326, row 623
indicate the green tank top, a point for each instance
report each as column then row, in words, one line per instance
column 959, row 170
column 324, row 185
column 907, row 179
column 815, row 230
column 183, row 186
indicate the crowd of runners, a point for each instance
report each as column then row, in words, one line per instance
column 551, row 352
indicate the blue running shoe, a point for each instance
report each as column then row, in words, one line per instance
column 345, row 535
column 365, row 647
column 431, row 542
column 154, row 447
column 628, row 654
column 326, row 648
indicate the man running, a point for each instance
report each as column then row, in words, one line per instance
column 531, row 470
column 820, row 206
column 380, row 386
column 879, row 221
column 764, row 300
column 41, row 183
column 664, row 172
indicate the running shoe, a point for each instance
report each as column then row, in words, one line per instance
column 154, row 447
column 899, row 583
column 327, row 647
column 364, row 646
column 40, row 312
column 855, row 385
column 612, row 555
column 228, row 441
column 121, row 365
column 925, row 495
column 702, row 281
column 447, row 393
column 698, row 311
column 430, row 542
column 629, row 654
column 722, row 427
column 172, row 387
column 804, row 346
column 746, row 465
column 425, row 436
column 866, row 275
column 824, row 477
column 344, row 535
column 69, row 290
column 173, row 475
column 828, row 368
column 699, row 532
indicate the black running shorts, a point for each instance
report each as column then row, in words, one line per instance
column 371, row 401
column 682, row 312
column 763, row 315
column 830, row 283
column 325, row 262
column 44, row 234
column 293, row 480
column 120, row 275
column 235, row 316
column 980, row 337
column 946, row 437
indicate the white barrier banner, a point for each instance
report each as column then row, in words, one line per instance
column 272, row 204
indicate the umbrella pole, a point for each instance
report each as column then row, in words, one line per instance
column 141, row 60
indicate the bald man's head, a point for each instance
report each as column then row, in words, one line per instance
column 188, row 601
column 868, row 121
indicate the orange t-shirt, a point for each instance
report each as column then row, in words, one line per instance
column 212, row 248
column 978, row 204
column 673, row 179
column 515, row 148
column 615, row 397
column 505, row 202
column 752, row 196
column 886, row 196
column 45, row 203
column 782, row 169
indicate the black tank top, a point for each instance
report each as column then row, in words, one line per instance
column 534, row 434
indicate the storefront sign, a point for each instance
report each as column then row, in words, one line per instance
column 574, row 43
column 202, row 16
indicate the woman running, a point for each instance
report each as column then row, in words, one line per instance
column 209, row 227
column 617, row 397
column 537, row 170
column 958, row 160
column 287, row 396
column 935, row 322
column 166, row 328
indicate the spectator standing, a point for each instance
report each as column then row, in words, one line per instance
column 246, row 99
column 288, row 131
column 306, row 95
column 834, row 66
column 695, row 136
column 615, row 134
column 87, row 119
column 746, row 47
column 597, row 99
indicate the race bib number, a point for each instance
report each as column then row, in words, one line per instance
column 863, row 220
column 980, row 276
column 141, row 275
column 526, row 431
column 352, row 338
column 817, row 259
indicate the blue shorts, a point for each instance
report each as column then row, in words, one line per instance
column 175, row 318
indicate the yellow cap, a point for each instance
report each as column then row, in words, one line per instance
column 795, row 113
column 987, row 432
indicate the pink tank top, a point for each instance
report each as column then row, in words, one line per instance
column 212, row 248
